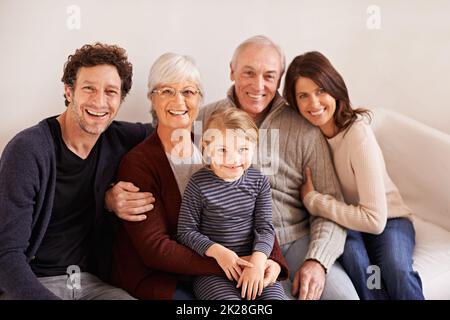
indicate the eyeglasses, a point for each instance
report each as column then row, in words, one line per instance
column 169, row 92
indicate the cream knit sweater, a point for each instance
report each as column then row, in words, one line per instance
column 296, row 144
column 370, row 195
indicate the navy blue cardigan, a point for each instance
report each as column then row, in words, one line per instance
column 27, row 188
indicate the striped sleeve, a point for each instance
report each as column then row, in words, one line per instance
column 190, row 218
column 264, row 230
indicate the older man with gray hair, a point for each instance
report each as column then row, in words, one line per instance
column 310, row 244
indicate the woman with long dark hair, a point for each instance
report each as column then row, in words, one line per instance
column 380, row 233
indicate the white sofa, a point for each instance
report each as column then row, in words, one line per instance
column 418, row 161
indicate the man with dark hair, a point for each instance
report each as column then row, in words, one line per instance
column 55, row 233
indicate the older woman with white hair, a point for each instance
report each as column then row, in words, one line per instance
column 148, row 262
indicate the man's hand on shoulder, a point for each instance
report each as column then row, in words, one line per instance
column 125, row 200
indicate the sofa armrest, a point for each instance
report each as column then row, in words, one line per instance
column 418, row 161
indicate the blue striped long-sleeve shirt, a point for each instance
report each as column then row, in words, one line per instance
column 236, row 214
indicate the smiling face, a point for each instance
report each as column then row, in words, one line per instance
column 316, row 105
column 95, row 98
column 256, row 77
column 230, row 151
column 179, row 111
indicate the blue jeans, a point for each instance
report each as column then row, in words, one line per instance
column 391, row 252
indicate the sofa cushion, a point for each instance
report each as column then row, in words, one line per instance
column 432, row 258
column 418, row 161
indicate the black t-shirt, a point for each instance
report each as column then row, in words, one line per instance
column 66, row 241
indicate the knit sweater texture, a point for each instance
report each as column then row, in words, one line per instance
column 370, row 195
column 288, row 143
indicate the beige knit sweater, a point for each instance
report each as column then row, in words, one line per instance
column 370, row 195
column 296, row 144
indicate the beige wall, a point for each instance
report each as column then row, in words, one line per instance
column 404, row 65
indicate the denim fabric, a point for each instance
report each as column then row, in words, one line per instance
column 391, row 252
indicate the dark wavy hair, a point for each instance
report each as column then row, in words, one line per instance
column 315, row 66
column 98, row 54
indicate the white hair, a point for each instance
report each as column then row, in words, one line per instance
column 172, row 68
column 261, row 40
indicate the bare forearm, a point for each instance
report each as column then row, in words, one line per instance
column 214, row 251
column 258, row 259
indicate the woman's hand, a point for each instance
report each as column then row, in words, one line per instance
column 271, row 272
column 307, row 185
